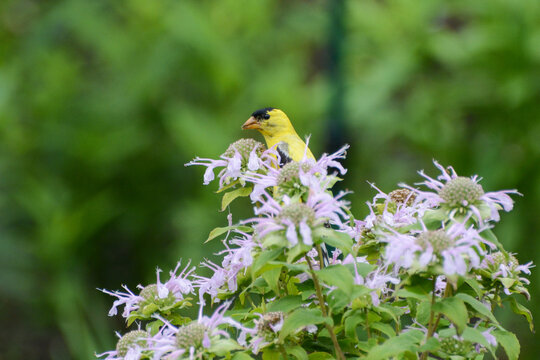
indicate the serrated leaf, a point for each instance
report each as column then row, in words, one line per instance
column 478, row 307
column 271, row 276
column 453, row 309
column 386, row 329
column 509, row 342
column 423, row 312
column 229, row 197
column 301, row 318
column 406, row 341
column 222, row 230
column 337, row 275
column 519, row 309
column 285, row 304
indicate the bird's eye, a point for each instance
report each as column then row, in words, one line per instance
column 267, row 116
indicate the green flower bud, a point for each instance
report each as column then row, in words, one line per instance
column 296, row 212
column 291, row 171
column 244, row 147
column 454, row 346
column 150, row 295
column 438, row 239
column 130, row 340
column 190, row 335
column 461, row 191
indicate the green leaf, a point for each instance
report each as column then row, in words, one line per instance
column 509, row 342
column 231, row 195
column 154, row 326
column 334, row 238
column 406, row 341
column 475, row 285
column 222, row 230
column 297, row 351
column 298, row 250
column 263, row 258
column 479, row 307
column 241, row 356
column 285, row 304
column 320, row 356
column 519, row 309
column 270, row 354
column 301, row 318
column 223, row 347
column 475, row 335
column 490, row 236
column 300, row 268
column 423, row 311
column 455, row 310
column 413, row 292
column 386, row 329
column 351, row 323
column 339, row 276
column 271, row 276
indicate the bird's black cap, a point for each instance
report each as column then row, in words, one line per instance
column 261, row 112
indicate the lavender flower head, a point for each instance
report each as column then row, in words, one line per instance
column 297, row 218
column 194, row 338
column 162, row 294
column 297, row 178
column 457, row 249
column 241, row 157
column 225, row 277
column 461, row 194
column 131, row 346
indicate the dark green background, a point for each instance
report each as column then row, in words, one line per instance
column 102, row 103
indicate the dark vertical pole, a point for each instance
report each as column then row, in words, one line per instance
column 336, row 39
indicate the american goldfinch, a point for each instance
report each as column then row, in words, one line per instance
column 278, row 131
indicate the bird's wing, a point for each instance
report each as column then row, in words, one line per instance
column 283, row 151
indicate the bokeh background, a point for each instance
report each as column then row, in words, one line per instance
column 102, row 103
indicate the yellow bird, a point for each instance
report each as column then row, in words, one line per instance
column 278, row 131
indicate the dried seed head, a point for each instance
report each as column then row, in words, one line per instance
column 267, row 321
column 402, row 196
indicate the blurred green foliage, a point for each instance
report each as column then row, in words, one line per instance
column 102, row 102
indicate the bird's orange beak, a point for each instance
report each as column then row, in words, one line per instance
column 251, row 123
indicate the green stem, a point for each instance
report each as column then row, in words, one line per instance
column 321, row 257
column 320, row 297
column 431, row 318
column 283, row 352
